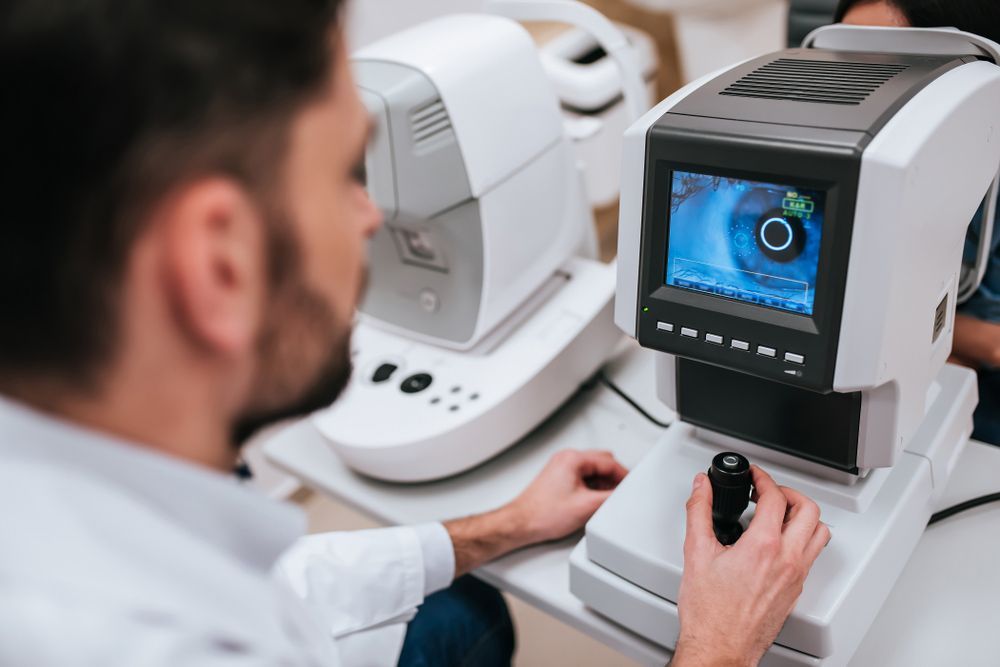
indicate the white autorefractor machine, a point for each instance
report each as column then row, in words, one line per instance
column 485, row 310
column 791, row 240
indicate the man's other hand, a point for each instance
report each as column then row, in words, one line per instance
column 570, row 488
column 566, row 493
column 734, row 600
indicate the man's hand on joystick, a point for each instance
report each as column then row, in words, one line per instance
column 734, row 599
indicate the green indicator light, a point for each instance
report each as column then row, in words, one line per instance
column 646, row 309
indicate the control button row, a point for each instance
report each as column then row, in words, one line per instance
column 771, row 353
column 735, row 343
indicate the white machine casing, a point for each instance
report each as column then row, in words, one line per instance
column 477, row 404
column 518, row 162
column 486, row 309
column 903, row 261
column 905, row 257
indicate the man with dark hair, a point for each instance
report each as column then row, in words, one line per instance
column 184, row 228
column 977, row 324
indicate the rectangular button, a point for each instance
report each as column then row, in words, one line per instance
column 665, row 326
column 794, row 358
column 765, row 351
column 690, row 333
column 715, row 339
column 739, row 345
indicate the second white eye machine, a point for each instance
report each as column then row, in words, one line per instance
column 791, row 240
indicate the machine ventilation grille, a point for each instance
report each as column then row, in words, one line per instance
column 940, row 318
column 819, row 81
column 429, row 122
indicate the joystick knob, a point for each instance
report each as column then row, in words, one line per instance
column 730, row 477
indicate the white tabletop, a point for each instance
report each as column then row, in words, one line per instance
column 940, row 612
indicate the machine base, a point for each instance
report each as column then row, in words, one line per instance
column 629, row 566
column 439, row 412
column 647, row 614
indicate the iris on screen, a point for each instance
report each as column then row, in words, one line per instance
column 753, row 242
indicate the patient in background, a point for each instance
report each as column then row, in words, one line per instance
column 977, row 326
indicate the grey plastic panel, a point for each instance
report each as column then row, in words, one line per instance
column 450, row 269
column 867, row 117
column 380, row 177
column 428, row 172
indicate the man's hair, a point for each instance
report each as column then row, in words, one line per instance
column 981, row 17
column 107, row 105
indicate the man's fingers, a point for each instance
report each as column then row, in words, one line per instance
column 601, row 464
column 771, row 504
column 820, row 538
column 700, row 534
column 802, row 519
column 594, row 499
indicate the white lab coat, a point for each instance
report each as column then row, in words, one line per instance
column 112, row 554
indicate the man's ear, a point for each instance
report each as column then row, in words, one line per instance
column 213, row 268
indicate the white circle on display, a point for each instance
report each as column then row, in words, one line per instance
column 788, row 228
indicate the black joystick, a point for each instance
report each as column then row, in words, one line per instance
column 730, row 477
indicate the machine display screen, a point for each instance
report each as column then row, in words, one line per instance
column 753, row 242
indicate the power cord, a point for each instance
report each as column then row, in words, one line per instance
column 603, row 379
column 962, row 507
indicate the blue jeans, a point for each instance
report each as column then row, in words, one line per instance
column 987, row 416
column 466, row 624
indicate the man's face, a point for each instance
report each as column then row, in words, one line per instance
column 317, row 257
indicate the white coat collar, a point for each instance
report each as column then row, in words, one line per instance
column 214, row 507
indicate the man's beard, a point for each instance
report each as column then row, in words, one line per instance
column 303, row 351
column 288, row 348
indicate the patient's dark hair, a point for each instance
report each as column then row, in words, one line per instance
column 106, row 105
column 981, row 17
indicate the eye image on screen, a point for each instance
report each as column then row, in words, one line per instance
column 744, row 240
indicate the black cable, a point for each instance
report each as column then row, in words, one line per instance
column 961, row 507
column 601, row 377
